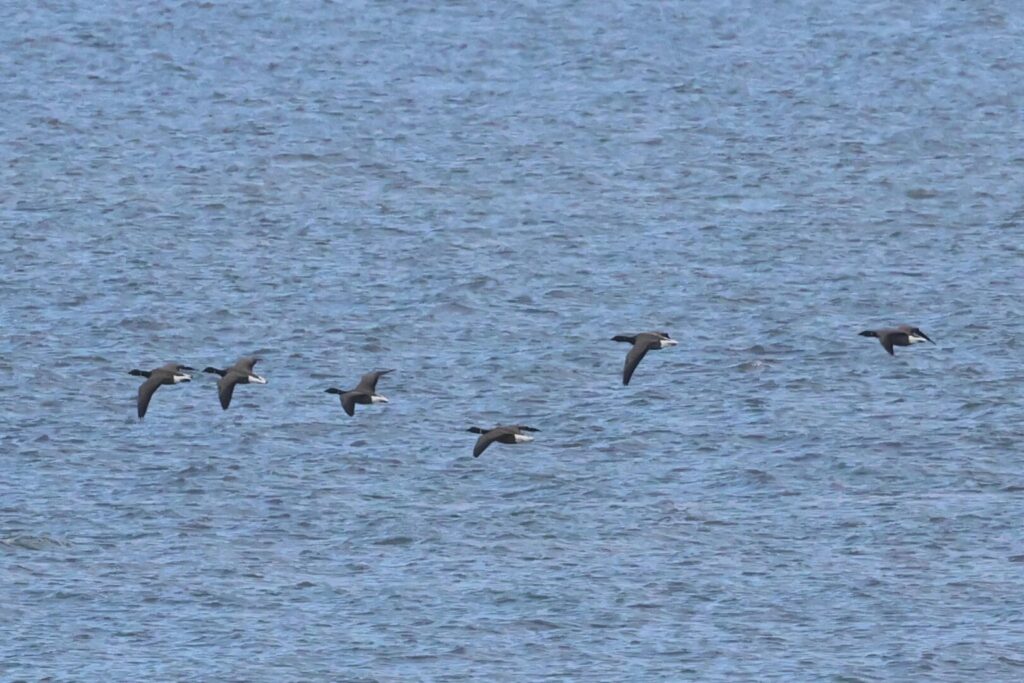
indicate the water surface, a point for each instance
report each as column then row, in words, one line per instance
column 480, row 195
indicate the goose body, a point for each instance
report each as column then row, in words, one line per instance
column 364, row 393
column 239, row 373
column 510, row 434
column 641, row 344
column 904, row 335
column 172, row 373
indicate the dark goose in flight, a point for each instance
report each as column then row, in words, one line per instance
column 642, row 343
column 501, row 434
column 904, row 335
column 165, row 374
column 239, row 373
column 364, row 393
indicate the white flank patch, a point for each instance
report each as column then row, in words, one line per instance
column 914, row 339
column 182, row 377
column 668, row 342
column 377, row 398
column 256, row 379
column 523, row 438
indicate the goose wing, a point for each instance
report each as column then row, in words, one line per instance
column 633, row 358
column 487, row 438
column 886, row 340
column 226, row 387
column 368, row 382
column 348, row 402
column 245, row 364
column 146, row 392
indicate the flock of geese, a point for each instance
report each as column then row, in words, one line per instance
column 365, row 393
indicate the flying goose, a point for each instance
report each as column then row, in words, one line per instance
column 501, row 434
column 165, row 374
column 904, row 335
column 365, row 392
column 642, row 343
column 239, row 373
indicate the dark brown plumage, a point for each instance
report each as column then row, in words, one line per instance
column 364, row 393
column 642, row 343
column 165, row 374
column 904, row 335
column 502, row 434
column 239, row 373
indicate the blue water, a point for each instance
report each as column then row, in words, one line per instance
column 480, row 195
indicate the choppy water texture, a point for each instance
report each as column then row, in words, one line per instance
column 480, row 195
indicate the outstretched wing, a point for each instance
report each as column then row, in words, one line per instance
column 146, row 393
column 485, row 440
column 348, row 402
column 246, row 364
column 226, row 387
column 633, row 358
column 368, row 382
column 886, row 340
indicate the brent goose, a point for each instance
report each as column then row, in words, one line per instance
column 642, row 343
column 165, row 374
column 501, row 434
column 364, row 393
column 239, row 373
column 904, row 335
